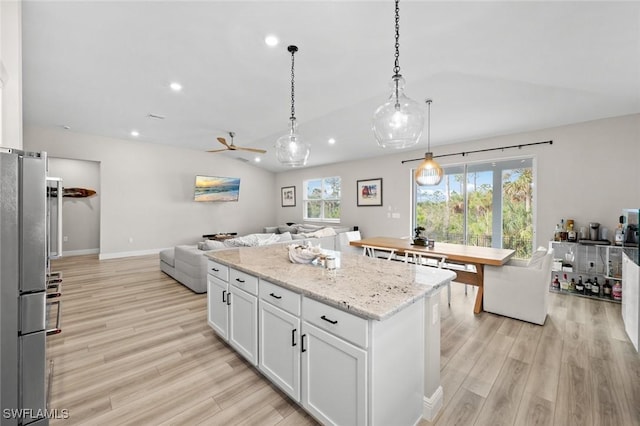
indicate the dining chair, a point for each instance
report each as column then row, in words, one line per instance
column 428, row 259
column 371, row 252
column 345, row 237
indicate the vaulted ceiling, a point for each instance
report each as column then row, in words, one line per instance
column 491, row 68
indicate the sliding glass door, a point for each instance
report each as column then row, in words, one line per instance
column 481, row 204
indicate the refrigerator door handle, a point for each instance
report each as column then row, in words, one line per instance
column 57, row 328
column 57, row 182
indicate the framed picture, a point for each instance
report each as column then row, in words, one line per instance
column 369, row 192
column 288, row 195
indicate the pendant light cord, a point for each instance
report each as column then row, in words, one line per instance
column 293, row 50
column 396, row 68
column 429, row 125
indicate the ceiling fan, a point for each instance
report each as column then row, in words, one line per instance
column 232, row 147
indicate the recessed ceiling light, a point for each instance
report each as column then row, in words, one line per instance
column 176, row 87
column 271, row 40
column 257, row 159
column 135, row 133
column 331, row 141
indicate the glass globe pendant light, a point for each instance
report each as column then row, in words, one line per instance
column 398, row 122
column 429, row 172
column 291, row 149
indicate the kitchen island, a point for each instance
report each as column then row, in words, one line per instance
column 356, row 345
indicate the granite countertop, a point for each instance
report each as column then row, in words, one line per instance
column 367, row 287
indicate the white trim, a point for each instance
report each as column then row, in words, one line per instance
column 116, row 255
column 433, row 404
column 80, row 252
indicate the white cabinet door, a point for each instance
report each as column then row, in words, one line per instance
column 243, row 319
column 280, row 348
column 217, row 309
column 334, row 378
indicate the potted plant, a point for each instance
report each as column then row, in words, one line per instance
column 419, row 239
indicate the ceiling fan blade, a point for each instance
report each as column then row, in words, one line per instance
column 223, row 142
column 261, row 151
column 218, row 150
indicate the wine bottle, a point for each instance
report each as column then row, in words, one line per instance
column 555, row 283
column 616, row 291
column 587, row 287
column 572, row 285
column 564, row 284
column 580, row 285
column 606, row 289
column 595, row 287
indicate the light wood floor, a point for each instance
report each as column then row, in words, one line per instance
column 135, row 348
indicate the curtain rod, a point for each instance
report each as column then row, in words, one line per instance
column 463, row 153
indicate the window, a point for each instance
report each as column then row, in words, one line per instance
column 483, row 204
column 321, row 199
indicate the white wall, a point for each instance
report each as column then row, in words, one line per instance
column 80, row 216
column 11, row 74
column 146, row 191
column 589, row 174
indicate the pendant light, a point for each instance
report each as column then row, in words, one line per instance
column 291, row 149
column 429, row 172
column 398, row 123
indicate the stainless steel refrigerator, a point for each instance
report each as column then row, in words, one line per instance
column 24, row 257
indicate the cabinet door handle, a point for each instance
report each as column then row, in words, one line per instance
column 215, row 270
column 223, row 293
column 274, row 296
column 302, row 349
column 293, row 337
column 239, row 280
column 328, row 320
column 229, row 298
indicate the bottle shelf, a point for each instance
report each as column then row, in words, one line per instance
column 586, row 296
column 588, row 262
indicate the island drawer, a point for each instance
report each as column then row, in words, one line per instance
column 280, row 297
column 338, row 322
column 242, row 280
column 218, row 270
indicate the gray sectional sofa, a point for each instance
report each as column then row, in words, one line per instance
column 188, row 265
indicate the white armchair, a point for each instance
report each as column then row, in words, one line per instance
column 518, row 289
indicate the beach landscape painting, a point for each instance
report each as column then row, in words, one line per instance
column 216, row 188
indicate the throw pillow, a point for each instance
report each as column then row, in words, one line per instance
column 285, row 236
column 292, row 229
column 213, row 245
column 537, row 258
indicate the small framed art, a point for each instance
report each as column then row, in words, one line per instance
column 288, row 196
column 369, row 192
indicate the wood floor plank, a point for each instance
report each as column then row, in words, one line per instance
column 534, row 411
column 136, row 349
column 483, row 374
column 501, row 406
column 574, row 401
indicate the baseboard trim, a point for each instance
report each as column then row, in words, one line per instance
column 433, row 404
column 117, row 255
column 80, row 252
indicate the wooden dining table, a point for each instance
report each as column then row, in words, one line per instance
column 466, row 261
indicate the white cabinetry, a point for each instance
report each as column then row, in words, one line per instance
column 217, row 309
column 334, row 378
column 279, row 348
column 321, row 356
column 280, row 337
column 233, row 308
column 631, row 299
